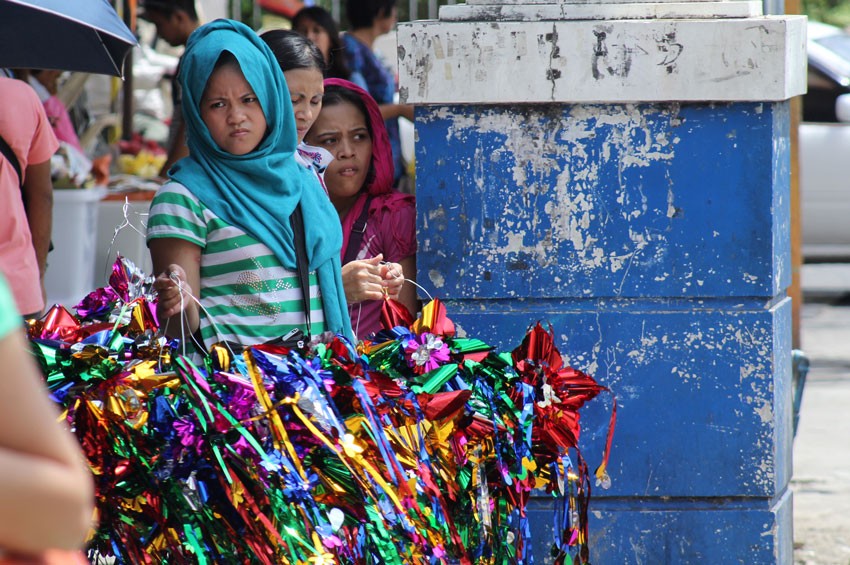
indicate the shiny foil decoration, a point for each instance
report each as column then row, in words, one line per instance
column 414, row 447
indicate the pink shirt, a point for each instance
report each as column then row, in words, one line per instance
column 24, row 126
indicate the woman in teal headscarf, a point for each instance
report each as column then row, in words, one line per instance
column 222, row 225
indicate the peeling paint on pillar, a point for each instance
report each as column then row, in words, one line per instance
column 654, row 239
column 620, row 200
column 626, row 181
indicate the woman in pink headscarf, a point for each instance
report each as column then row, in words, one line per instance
column 378, row 223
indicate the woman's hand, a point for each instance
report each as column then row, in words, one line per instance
column 179, row 263
column 175, row 294
column 392, row 275
column 363, row 280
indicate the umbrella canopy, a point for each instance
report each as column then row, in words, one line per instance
column 69, row 35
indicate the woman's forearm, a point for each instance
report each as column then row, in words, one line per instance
column 389, row 111
column 177, row 284
column 38, row 198
column 46, row 504
column 46, row 491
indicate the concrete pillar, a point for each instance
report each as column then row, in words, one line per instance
column 621, row 170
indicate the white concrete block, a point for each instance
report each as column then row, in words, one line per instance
column 608, row 11
column 520, row 3
column 744, row 59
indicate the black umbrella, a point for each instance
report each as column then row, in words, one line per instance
column 68, row 35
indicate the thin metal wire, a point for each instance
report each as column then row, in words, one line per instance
column 125, row 209
column 411, row 281
column 395, row 275
column 200, row 346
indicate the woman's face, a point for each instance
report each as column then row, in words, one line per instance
column 305, row 90
column 232, row 112
column 341, row 129
column 317, row 34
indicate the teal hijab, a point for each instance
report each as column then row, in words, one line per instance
column 258, row 191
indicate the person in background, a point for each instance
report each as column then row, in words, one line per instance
column 175, row 20
column 26, row 193
column 46, row 85
column 317, row 25
column 222, row 227
column 378, row 222
column 302, row 64
column 46, row 490
column 369, row 20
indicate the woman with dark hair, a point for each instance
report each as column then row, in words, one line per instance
column 303, row 65
column 378, row 222
column 318, row 25
column 369, row 20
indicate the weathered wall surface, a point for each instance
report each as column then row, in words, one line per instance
column 624, row 60
column 654, row 239
column 604, row 201
column 627, row 181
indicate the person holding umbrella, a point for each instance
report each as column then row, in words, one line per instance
column 46, row 85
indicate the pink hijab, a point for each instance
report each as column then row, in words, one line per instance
column 380, row 180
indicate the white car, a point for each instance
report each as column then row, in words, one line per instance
column 824, row 145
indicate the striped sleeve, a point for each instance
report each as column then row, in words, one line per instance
column 177, row 213
column 246, row 295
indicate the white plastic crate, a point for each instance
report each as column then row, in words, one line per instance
column 70, row 266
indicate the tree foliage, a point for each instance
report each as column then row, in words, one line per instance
column 835, row 12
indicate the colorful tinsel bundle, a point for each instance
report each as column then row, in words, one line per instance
column 418, row 447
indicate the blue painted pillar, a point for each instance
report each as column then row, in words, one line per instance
column 621, row 170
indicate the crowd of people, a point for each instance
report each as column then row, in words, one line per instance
column 280, row 210
column 211, row 228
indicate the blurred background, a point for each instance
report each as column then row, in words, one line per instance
column 249, row 10
column 123, row 128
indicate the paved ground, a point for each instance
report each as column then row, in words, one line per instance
column 821, row 481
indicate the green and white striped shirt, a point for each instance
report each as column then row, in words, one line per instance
column 248, row 296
